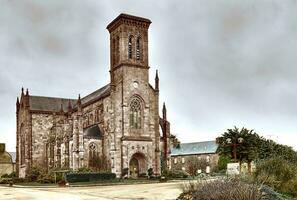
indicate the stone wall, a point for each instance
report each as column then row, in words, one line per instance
column 181, row 162
column 41, row 130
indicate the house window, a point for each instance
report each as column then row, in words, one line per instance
column 207, row 158
column 135, row 113
column 183, row 160
column 175, row 160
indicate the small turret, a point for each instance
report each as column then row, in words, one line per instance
column 27, row 92
column 17, row 104
column 79, row 107
column 164, row 111
column 79, row 100
column 157, row 81
column 22, row 91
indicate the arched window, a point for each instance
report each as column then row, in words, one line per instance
column 114, row 52
column 93, row 154
column 130, row 47
column 118, row 49
column 91, row 119
column 135, row 113
column 138, row 48
column 22, row 149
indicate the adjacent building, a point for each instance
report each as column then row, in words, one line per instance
column 7, row 162
column 117, row 127
column 201, row 151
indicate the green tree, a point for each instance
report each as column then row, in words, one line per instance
column 223, row 161
column 174, row 141
column 240, row 145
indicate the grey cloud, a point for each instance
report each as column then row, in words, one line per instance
column 221, row 63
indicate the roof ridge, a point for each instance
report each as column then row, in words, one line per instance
column 198, row 142
column 53, row 97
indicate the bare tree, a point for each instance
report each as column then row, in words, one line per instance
column 194, row 164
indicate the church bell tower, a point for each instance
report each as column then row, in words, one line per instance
column 134, row 102
column 128, row 43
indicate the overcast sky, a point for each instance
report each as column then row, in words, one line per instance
column 222, row 63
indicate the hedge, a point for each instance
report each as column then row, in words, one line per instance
column 89, row 177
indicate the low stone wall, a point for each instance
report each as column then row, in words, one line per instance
column 6, row 168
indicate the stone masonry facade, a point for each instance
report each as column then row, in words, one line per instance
column 115, row 128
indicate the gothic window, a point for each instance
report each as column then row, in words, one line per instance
column 22, row 149
column 92, row 155
column 58, row 153
column 114, row 50
column 135, row 113
column 138, row 48
column 91, row 119
column 130, row 47
column 118, row 49
column 51, row 154
column 96, row 116
column 66, row 152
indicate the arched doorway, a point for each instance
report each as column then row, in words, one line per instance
column 137, row 165
column 134, row 168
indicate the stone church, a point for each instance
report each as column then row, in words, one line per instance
column 116, row 128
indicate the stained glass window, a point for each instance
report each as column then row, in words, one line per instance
column 135, row 113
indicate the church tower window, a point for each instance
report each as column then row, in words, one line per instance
column 130, row 47
column 135, row 113
column 138, row 49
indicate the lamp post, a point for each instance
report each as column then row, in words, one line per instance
column 234, row 144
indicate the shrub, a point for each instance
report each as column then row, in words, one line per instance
column 5, row 180
column 150, row 172
column 47, row 178
column 89, row 177
column 5, row 176
column 33, row 174
column 18, row 180
column 277, row 173
column 222, row 162
column 223, row 189
column 142, row 175
column 175, row 174
column 11, row 175
column 125, row 172
column 84, row 170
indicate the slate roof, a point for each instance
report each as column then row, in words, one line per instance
column 49, row 103
column 13, row 156
column 53, row 104
column 93, row 132
column 102, row 92
column 195, row 148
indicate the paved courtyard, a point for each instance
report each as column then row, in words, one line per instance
column 159, row 191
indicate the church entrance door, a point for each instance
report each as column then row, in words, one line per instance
column 134, row 168
column 137, row 165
